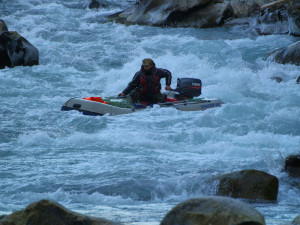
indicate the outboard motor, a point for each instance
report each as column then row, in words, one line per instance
column 189, row 87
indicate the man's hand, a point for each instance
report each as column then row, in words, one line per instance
column 121, row 94
column 168, row 88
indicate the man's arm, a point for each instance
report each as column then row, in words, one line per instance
column 132, row 85
column 167, row 74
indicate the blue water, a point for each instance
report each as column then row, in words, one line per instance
column 134, row 168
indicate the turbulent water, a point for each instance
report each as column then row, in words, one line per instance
column 134, row 168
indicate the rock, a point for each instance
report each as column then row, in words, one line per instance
column 214, row 211
column 17, row 51
column 296, row 221
column 3, row 27
column 294, row 19
column 243, row 9
column 298, row 80
column 96, row 4
column 47, row 212
column 249, row 184
column 292, row 165
column 290, row 54
column 273, row 23
column 193, row 13
column 209, row 16
column 277, row 79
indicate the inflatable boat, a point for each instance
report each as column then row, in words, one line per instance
column 182, row 98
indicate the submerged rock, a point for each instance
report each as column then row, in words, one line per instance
column 290, row 54
column 48, row 212
column 249, row 184
column 15, row 50
column 292, row 165
column 214, row 211
column 95, row 4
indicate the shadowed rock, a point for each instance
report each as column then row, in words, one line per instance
column 3, row 27
column 290, row 54
column 95, row 4
column 15, row 50
column 182, row 13
column 214, row 211
column 46, row 212
column 249, row 184
column 292, row 165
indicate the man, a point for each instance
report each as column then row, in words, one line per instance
column 146, row 86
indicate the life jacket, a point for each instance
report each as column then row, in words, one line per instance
column 156, row 86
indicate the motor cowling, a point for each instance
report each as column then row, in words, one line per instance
column 189, row 87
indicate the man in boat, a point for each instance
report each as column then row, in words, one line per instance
column 145, row 85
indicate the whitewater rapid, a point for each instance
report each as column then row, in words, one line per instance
column 134, row 168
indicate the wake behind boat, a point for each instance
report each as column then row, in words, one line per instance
column 182, row 98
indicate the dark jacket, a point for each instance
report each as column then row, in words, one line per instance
column 137, row 81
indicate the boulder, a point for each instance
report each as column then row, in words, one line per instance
column 192, row 13
column 15, row 50
column 47, row 212
column 292, row 165
column 249, row 184
column 213, row 210
column 95, row 4
column 296, row 221
column 298, row 80
column 3, row 27
column 290, row 54
column 273, row 23
column 18, row 50
column 294, row 19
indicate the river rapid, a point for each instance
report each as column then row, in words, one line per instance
column 134, row 168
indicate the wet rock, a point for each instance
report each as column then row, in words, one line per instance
column 294, row 19
column 273, row 23
column 3, row 27
column 193, row 13
column 95, row 4
column 298, row 80
column 249, row 184
column 15, row 50
column 290, row 54
column 296, row 221
column 214, row 211
column 48, row 212
column 277, row 79
column 292, row 165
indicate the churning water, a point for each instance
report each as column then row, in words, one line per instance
column 134, row 168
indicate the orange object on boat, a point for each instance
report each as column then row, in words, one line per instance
column 96, row 99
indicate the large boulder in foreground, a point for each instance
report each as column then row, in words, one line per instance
column 249, row 184
column 290, row 54
column 15, row 50
column 292, row 165
column 214, row 211
column 47, row 212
